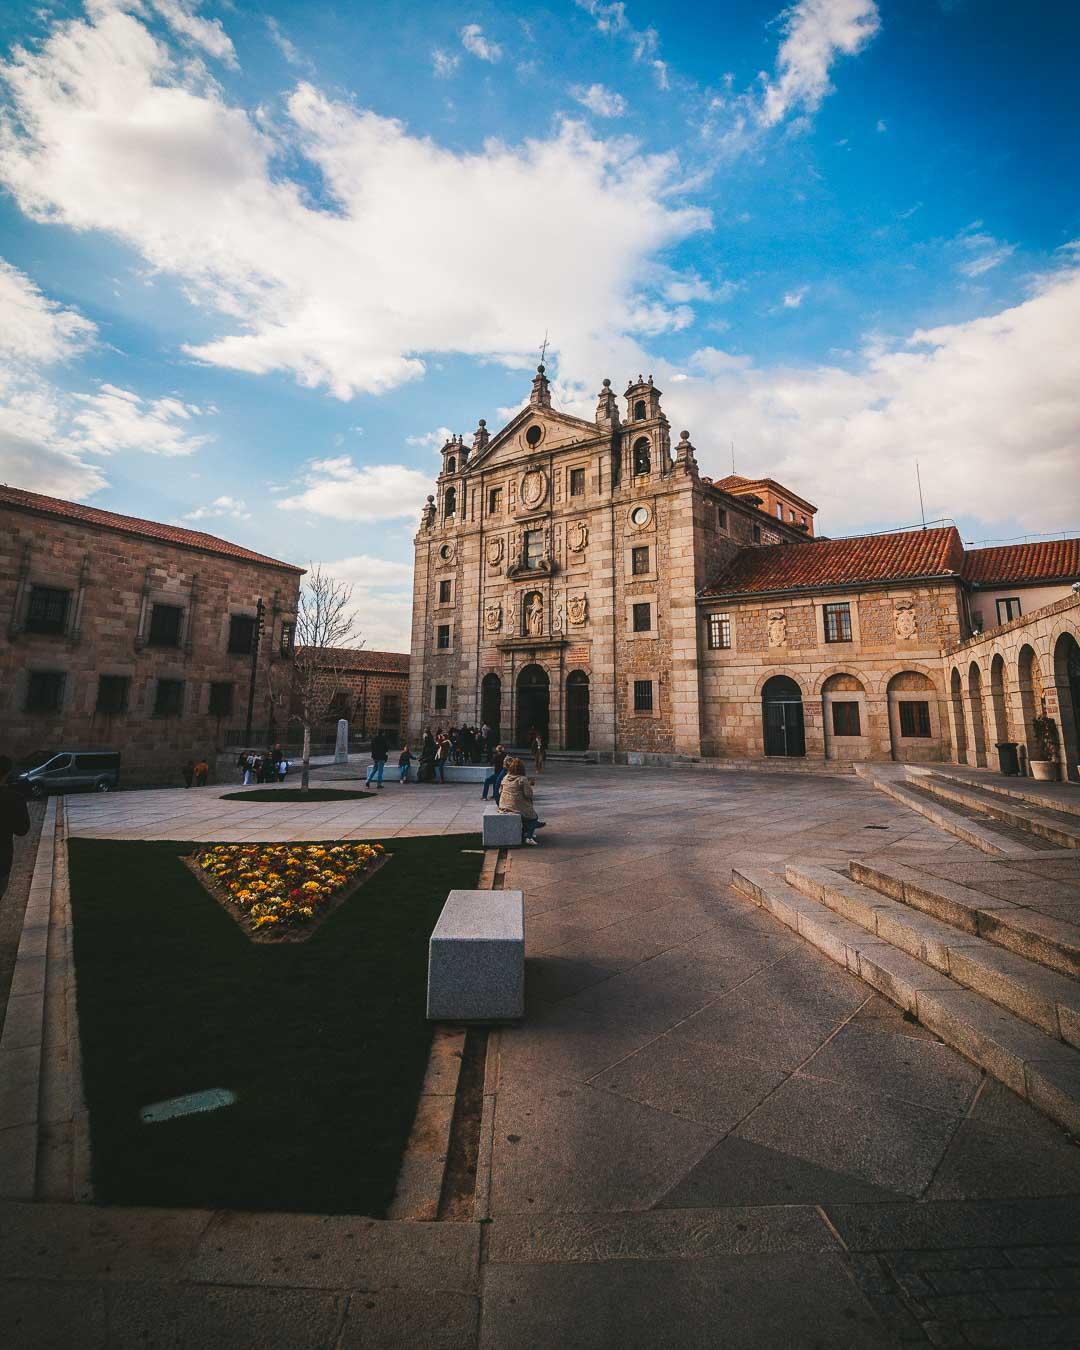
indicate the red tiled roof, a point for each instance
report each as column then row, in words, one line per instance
column 146, row 529
column 1047, row 560
column 841, row 562
column 362, row 658
column 733, row 480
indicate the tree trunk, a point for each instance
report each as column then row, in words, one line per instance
column 305, row 776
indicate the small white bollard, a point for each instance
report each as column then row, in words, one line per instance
column 476, row 958
column 502, row 829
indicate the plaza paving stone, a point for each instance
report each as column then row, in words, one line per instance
column 702, row 1133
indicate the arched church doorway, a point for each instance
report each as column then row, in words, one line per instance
column 577, row 711
column 491, row 702
column 532, row 704
column 782, row 714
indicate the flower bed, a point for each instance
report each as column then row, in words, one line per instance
column 275, row 888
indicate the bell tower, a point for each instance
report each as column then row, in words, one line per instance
column 646, row 432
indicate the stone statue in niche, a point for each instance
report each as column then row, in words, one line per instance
column 777, row 628
column 534, row 615
column 577, row 609
column 906, row 624
column 493, row 617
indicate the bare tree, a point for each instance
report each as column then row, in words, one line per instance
column 325, row 630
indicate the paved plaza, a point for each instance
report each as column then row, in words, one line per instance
column 704, row 1132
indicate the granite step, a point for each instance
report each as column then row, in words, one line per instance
column 1052, row 942
column 1057, row 828
column 1059, row 797
column 1035, row 1065
column 980, row 836
column 1045, row 998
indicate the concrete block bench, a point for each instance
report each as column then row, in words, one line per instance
column 467, row 773
column 502, row 829
column 476, row 958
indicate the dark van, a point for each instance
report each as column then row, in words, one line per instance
column 73, row 771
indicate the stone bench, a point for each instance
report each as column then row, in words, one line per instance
column 467, row 773
column 476, row 958
column 502, row 829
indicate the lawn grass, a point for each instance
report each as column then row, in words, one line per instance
column 324, row 1042
column 295, row 795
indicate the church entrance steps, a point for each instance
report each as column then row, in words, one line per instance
column 964, row 826
column 1052, row 940
column 1056, row 827
column 1014, row 1018
column 1064, row 797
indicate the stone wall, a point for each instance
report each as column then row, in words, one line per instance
column 893, row 657
column 113, row 580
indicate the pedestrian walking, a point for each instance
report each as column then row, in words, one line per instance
column 14, row 819
column 442, row 754
column 282, row 768
column 495, row 777
column 249, row 770
column 202, row 772
column 539, row 753
column 380, row 750
column 188, row 772
column 403, row 762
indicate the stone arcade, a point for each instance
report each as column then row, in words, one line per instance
column 585, row 579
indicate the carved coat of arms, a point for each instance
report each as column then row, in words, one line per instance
column 577, row 609
column 905, row 622
column 533, row 488
column 777, row 628
column 577, row 537
column 494, row 551
column 493, row 617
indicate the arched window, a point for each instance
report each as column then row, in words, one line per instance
column 451, row 464
column 642, row 455
column 639, row 410
column 450, row 502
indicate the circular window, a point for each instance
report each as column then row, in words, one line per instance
column 534, row 435
column 639, row 516
column 446, row 553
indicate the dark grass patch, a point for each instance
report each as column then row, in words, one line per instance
column 324, row 1042
column 295, row 795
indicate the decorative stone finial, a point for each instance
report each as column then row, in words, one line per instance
column 607, row 407
column 541, row 391
column 685, row 459
column 480, row 436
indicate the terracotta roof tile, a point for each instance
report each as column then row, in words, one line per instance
column 841, row 562
column 1046, row 560
column 146, row 529
column 362, row 658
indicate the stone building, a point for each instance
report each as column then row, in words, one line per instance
column 126, row 634
column 370, row 690
column 584, row 579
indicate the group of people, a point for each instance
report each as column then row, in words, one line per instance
column 268, row 767
column 196, row 773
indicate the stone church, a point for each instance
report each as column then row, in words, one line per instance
column 586, row 580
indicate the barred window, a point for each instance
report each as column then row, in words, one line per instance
column 845, row 719
column 168, row 698
column 838, row 623
column 577, row 482
column 112, row 693
column 444, row 592
column 288, row 636
column 165, row 622
column 494, row 501
column 534, row 547
column 914, row 718
column 639, row 560
column 48, row 609
column 44, row 691
column 390, row 710
column 642, row 622
column 442, row 637
column 721, row 517
column 221, row 699
column 440, row 697
column 719, row 631
column 241, row 634
column 643, row 701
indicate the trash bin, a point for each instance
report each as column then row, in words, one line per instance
column 1008, row 759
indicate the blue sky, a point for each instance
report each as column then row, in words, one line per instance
column 254, row 261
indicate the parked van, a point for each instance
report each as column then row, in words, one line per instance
column 72, row 771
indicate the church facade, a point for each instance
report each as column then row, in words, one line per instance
column 585, row 580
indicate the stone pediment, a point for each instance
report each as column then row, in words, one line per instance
column 556, row 431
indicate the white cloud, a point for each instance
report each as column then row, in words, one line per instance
column 611, row 20
column 285, row 46
column 603, row 102
column 474, row 41
column 882, row 125
column 34, row 328
column 106, row 131
column 205, row 33
column 435, row 440
column 116, row 419
column 221, row 506
column 382, row 599
column 341, row 490
column 444, row 64
column 991, row 407
column 816, row 32
column 793, row 299
column 988, row 252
